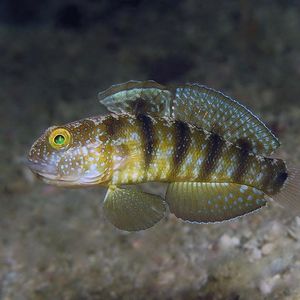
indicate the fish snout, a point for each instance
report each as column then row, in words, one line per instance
column 41, row 167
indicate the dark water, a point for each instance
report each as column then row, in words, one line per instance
column 54, row 58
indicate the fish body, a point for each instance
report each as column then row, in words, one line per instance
column 212, row 152
column 152, row 149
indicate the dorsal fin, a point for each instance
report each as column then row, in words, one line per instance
column 215, row 112
column 137, row 96
column 196, row 104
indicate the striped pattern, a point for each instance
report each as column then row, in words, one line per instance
column 147, row 138
column 195, row 104
column 213, row 152
column 159, row 149
column 242, row 161
column 113, row 125
column 182, row 141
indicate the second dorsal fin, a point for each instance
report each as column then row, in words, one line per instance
column 195, row 104
column 215, row 112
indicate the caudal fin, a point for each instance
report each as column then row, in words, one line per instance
column 289, row 196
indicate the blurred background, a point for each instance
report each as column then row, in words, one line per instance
column 55, row 56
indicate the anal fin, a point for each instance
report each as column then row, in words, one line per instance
column 133, row 210
column 212, row 202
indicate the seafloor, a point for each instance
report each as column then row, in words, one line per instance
column 55, row 243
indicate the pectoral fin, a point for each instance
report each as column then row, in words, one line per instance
column 212, row 202
column 133, row 210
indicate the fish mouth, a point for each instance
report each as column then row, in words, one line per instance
column 42, row 168
column 48, row 173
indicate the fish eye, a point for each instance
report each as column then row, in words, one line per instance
column 60, row 138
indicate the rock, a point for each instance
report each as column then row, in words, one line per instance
column 166, row 278
column 226, row 242
column 267, row 248
column 275, row 232
column 266, row 286
column 255, row 255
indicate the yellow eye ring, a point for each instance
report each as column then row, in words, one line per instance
column 60, row 138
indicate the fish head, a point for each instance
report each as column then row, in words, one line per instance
column 75, row 154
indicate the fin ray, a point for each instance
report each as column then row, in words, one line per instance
column 133, row 210
column 137, row 97
column 212, row 202
column 214, row 108
column 289, row 196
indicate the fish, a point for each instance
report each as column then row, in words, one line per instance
column 213, row 155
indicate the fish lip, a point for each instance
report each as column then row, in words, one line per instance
column 58, row 181
column 41, row 168
column 48, row 173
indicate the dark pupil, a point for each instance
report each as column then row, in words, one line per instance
column 59, row 139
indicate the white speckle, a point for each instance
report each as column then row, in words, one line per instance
column 84, row 151
column 199, row 161
column 93, row 167
column 260, row 176
column 260, row 159
column 134, row 136
column 134, row 175
column 257, row 192
column 117, row 158
column 243, row 188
